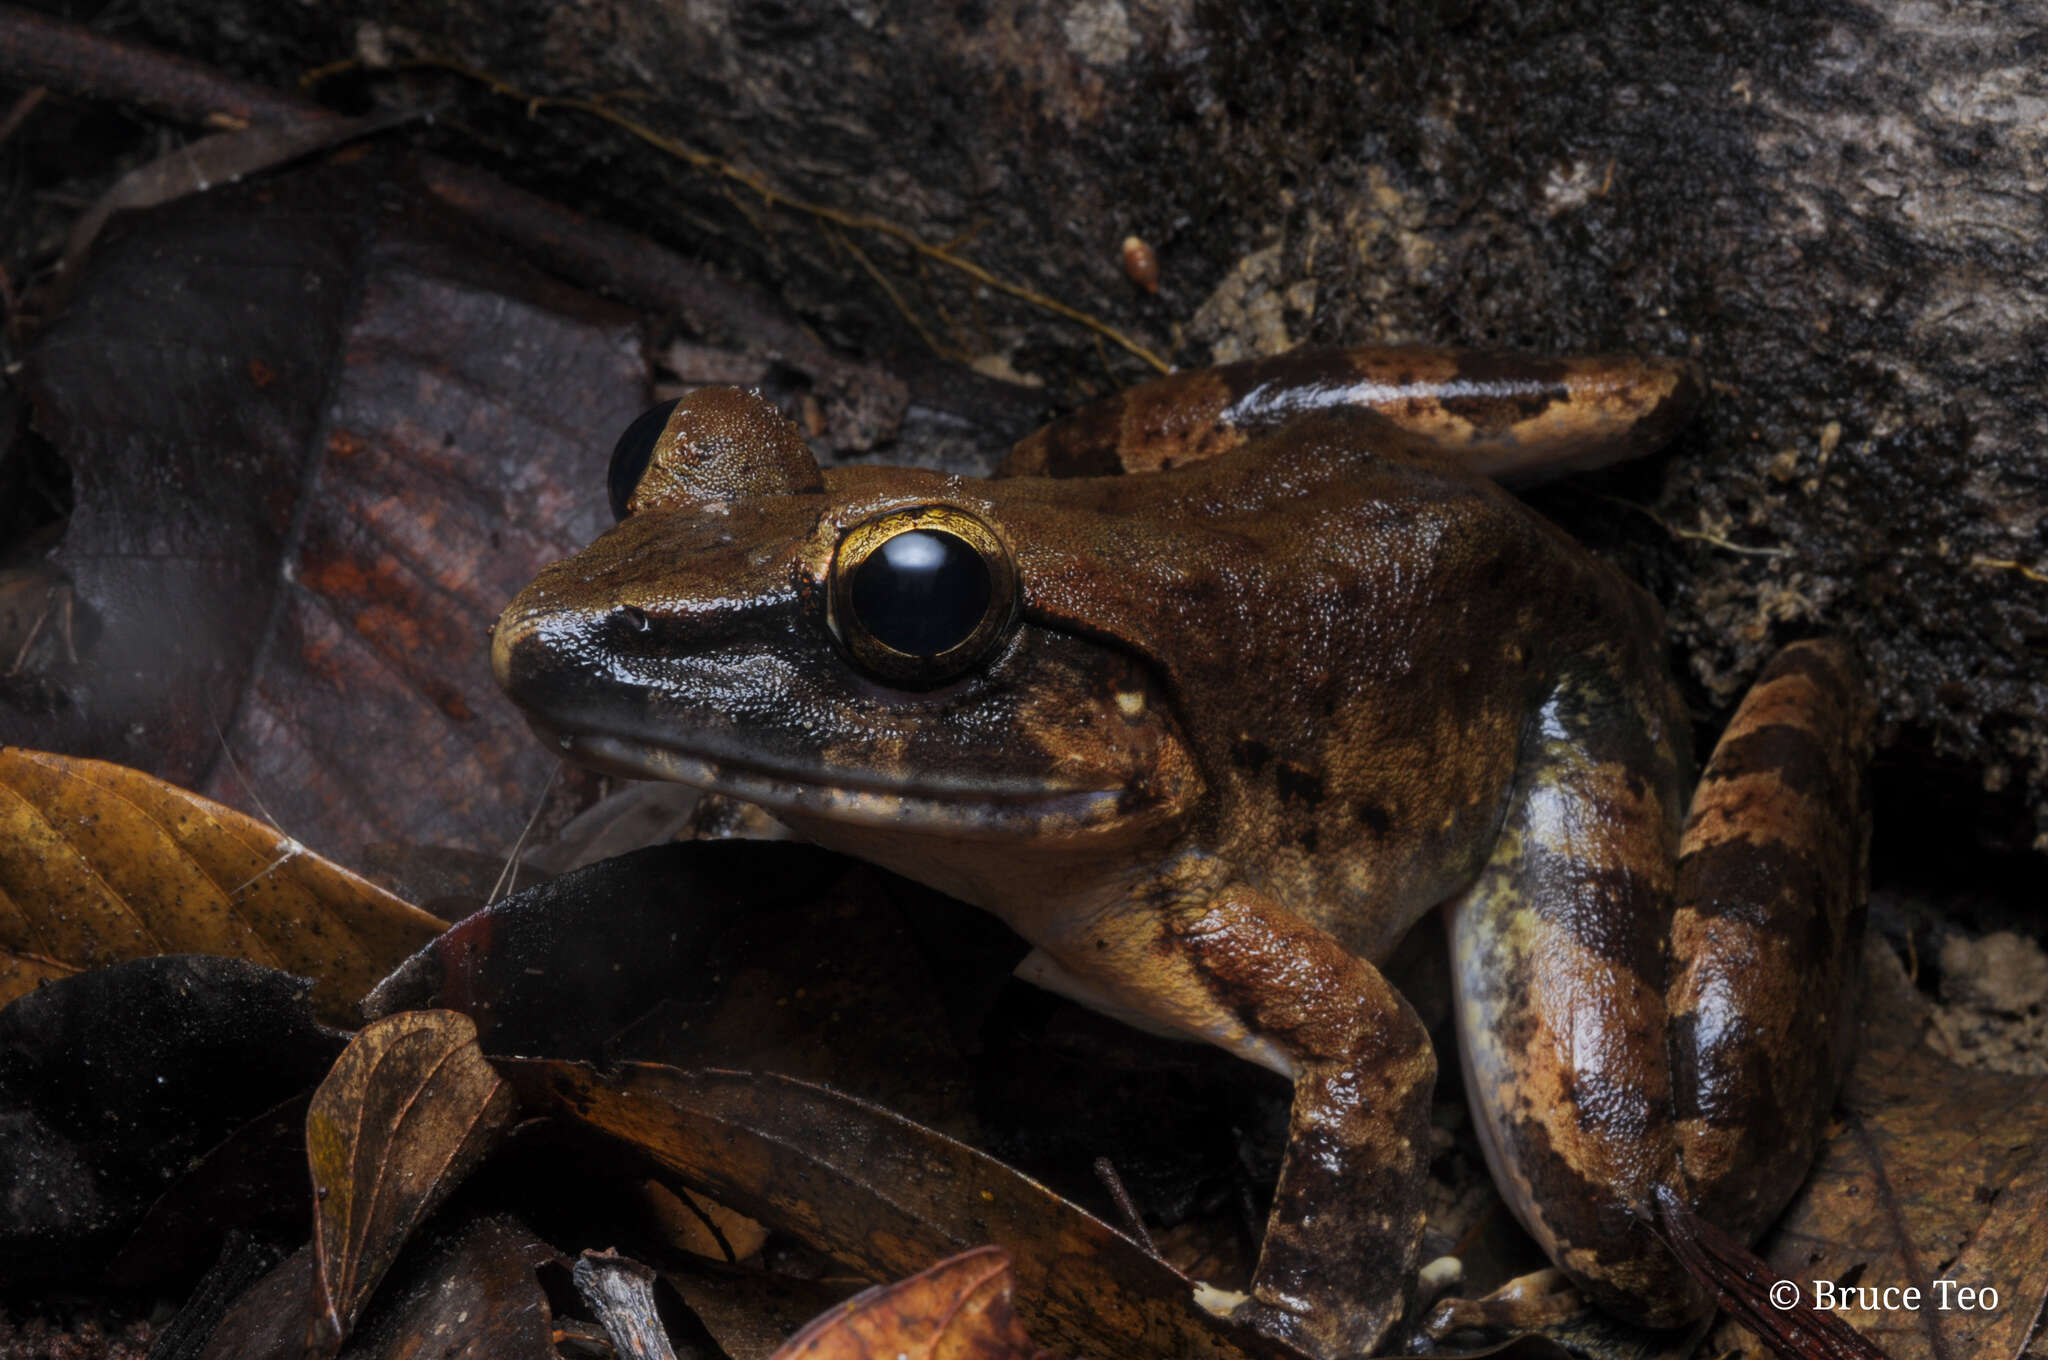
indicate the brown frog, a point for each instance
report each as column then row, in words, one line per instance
column 1215, row 691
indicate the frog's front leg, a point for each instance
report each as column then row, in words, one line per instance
column 1233, row 967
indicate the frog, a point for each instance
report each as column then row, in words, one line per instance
column 1215, row 690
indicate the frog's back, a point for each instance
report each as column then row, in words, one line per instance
column 1356, row 633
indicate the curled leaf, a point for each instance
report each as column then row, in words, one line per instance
column 409, row 1108
column 100, row 863
column 888, row 1197
column 468, row 1292
column 960, row 1309
column 1935, row 1179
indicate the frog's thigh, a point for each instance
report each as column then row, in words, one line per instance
column 1513, row 417
column 1235, row 968
column 1558, row 959
column 1765, row 943
column 1523, row 419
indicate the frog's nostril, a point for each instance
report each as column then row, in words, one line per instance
column 628, row 620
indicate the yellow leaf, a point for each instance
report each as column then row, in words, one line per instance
column 100, row 863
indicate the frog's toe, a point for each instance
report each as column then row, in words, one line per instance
column 1542, row 1298
column 1221, row 1302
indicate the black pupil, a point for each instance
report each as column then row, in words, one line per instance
column 631, row 454
column 923, row 592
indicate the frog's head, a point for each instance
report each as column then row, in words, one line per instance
column 844, row 649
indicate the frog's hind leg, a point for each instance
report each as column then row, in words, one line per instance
column 1629, row 1029
column 1515, row 418
column 1558, row 963
column 1766, row 942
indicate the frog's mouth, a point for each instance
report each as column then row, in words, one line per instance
column 987, row 806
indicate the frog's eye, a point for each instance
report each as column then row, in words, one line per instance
column 633, row 452
column 920, row 597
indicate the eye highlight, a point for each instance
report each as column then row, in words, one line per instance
column 920, row 597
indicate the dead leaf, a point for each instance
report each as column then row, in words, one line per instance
column 100, row 863
column 243, row 1262
column 888, row 1197
column 466, row 1293
column 111, row 1082
column 703, row 1227
column 960, row 1309
column 252, row 1182
column 269, row 1321
column 561, row 968
column 1936, row 1173
column 410, row 1107
column 470, row 1294
column 309, row 471
column 749, row 1312
column 830, row 985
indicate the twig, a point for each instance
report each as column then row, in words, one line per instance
column 23, row 107
column 2006, row 564
column 860, row 257
column 621, row 1293
column 38, row 50
column 77, row 62
column 1700, row 534
column 508, row 876
column 223, row 158
column 1743, row 1283
column 1134, row 1222
column 689, row 155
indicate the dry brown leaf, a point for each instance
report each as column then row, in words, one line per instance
column 409, row 1108
column 888, row 1197
column 1935, row 1173
column 358, row 458
column 100, row 863
column 749, row 1313
column 465, row 1293
column 701, row 1226
column 960, row 1309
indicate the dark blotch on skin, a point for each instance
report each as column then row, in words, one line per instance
column 1608, row 910
column 1791, row 752
column 1728, row 1086
column 1816, row 665
column 1578, row 1210
column 1251, row 754
column 1481, row 367
column 1377, row 819
column 1298, row 785
column 1493, row 414
column 1362, row 1190
column 1299, row 369
column 1084, row 444
column 1760, row 883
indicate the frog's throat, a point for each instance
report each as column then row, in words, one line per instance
column 986, row 809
